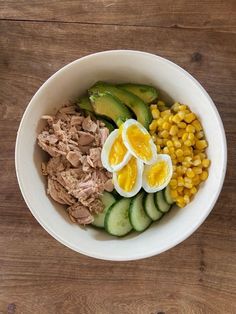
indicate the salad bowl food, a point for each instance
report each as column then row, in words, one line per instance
column 134, row 117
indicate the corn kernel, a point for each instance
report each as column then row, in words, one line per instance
column 202, row 156
column 173, row 158
column 206, row 163
column 197, row 170
column 175, row 107
column 169, row 143
column 171, row 149
column 187, row 192
column 190, row 129
column 186, row 199
column 180, row 189
column 199, row 135
column 180, row 181
column 193, row 190
column 159, row 141
column 179, row 170
column 180, row 133
column 153, row 125
column 190, row 173
column 182, row 125
column 196, row 179
column 182, row 107
column 177, row 118
column 173, row 130
column 153, row 106
column 179, row 152
column 177, row 144
column 165, row 134
column 165, row 113
column 164, row 141
column 181, row 114
column 174, row 194
column 174, row 175
column 173, row 182
column 180, row 159
column 155, row 113
column 191, row 137
column 158, row 148
column 189, row 117
column 165, row 150
column 187, row 151
column 188, row 185
column 201, row 144
column 160, row 121
column 197, row 162
column 180, row 204
column 166, row 126
column 170, row 119
column 204, row 175
column 185, row 137
column 197, row 125
column 188, row 143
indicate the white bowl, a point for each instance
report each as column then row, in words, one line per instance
column 73, row 80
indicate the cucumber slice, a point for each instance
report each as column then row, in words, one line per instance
column 138, row 218
column 167, row 195
column 117, row 218
column 107, row 199
column 160, row 202
column 150, row 207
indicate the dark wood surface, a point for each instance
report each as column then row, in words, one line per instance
column 38, row 274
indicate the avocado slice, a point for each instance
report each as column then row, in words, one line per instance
column 147, row 93
column 84, row 103
column 141, row 110
column 109, row 106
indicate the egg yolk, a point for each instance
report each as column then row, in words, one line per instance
column 117, row 152
column 140, row 142
column 157, row 173
column 126, row 177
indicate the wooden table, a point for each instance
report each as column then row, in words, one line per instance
column 38, row 275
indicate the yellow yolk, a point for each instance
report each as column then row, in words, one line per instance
column 127, row 176
column 117, row 152
column 157, row 173
column 139, row 142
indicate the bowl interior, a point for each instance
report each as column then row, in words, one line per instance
column 72, row 81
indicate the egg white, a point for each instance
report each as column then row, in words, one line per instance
column 106, row 152
column 152, row 189
column 125, row 126
column 137, row 185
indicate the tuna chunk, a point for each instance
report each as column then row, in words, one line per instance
column 89, row 125
column 85, row 138
column 74, row 158
column 80, row 213
column 94, row 158
column 59, row 193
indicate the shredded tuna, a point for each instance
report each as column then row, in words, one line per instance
column 74, row 170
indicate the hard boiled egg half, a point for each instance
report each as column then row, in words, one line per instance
column 128, row 180
column 114, row 154
column 157, row 175
column 138, row 141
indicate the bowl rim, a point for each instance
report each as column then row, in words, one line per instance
column 189, row 231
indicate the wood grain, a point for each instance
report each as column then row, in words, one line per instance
column 169, row 13
column 38, row 274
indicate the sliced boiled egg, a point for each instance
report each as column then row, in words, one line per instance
column 138, row 141
column 114, row 153
column 128, row 180
column 157, row 175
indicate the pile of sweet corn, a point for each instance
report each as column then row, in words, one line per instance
column 178, row 133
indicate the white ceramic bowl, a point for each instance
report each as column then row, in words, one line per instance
column 73, row 80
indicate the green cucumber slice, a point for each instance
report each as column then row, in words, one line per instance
column 138, row 218
column 167, row 195
column 150, row 207
column 161, row 203
column 117, row 218
column 107, row 199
